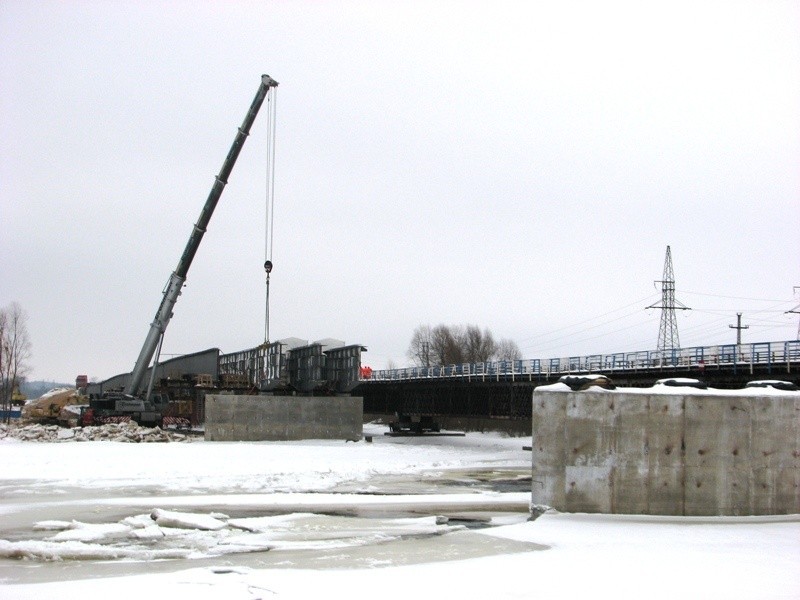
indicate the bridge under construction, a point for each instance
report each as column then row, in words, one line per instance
column 497, row 395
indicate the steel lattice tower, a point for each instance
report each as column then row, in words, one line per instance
column 668, row 329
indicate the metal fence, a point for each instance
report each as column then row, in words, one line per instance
column 780, row 355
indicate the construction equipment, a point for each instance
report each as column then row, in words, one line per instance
column 414, row 424
column 175, row 284
column 48, row 406
column 121, row 408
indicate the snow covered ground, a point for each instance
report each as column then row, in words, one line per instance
column 400, row 517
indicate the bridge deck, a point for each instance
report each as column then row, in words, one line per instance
column 503, row 390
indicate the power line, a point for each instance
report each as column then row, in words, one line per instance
column 715, row 325
column 556, row 344
column 545, row 342
column 723, row 311
column 574, row 334
column 731, row 297
column 589, row 320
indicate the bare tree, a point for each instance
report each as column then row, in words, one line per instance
column 15, row 350
column 478, row 346
column 507, row 349
column 445, row 345
column 457, row 344
column 419, row 351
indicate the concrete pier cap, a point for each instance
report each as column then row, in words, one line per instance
column 677, row 448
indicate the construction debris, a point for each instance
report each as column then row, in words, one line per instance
column 48, row 407
column 112, row 432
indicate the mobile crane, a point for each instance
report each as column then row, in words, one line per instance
column 173, row 288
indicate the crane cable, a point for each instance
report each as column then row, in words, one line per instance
column 269, row 222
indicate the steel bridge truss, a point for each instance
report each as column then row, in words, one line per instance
column 306, row 369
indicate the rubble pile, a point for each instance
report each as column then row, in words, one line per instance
column 112, row 432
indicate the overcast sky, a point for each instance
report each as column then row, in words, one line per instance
column 520, row 166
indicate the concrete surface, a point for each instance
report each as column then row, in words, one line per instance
column 278, row 418
column 630, row 452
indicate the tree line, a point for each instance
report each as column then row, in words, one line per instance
column 458, row 344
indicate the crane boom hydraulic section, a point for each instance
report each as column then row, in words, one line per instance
column 178, row 277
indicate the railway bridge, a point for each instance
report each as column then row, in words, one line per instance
column 497, row 395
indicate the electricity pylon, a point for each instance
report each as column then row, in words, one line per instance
column 668, row 329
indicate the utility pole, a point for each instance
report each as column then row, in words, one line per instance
column 796, row 311
column 738, row 327
column 668, row 328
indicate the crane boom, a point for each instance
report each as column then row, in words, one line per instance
column 178, row 277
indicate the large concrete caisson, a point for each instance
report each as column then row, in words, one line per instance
column 666, row 451
column 261, row 418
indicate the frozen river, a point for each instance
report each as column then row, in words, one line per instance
column 445, row 515
column 299, row 505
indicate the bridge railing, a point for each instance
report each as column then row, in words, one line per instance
column 733, row 356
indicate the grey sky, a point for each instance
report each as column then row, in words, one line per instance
column 521, row 166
